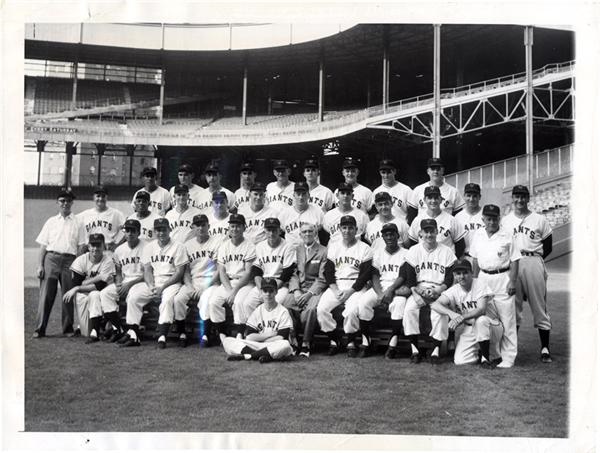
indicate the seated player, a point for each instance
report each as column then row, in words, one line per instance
column 92, row 271
column 331, row 220
column 383, row 204
column 347, row 271
column 306, row 285
column 468, row 308
column 201, row 277
column 388, row 289
column 299, row 213
column 267, row 331
column 255, row 212
column 427, row 275
column 143, row 215
column 160, row 198
column 399, row 192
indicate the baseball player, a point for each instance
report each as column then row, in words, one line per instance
column 449, row 232
column 275, row 258
column 451, row 202
column 59, row 241
column 160, row 198
column 218, row 217
column 470, row 218
column 388, row 289
column 306, row 285
column 103, row 219
column 331, row 220
column 496, row 264
column 234, row 264
column 362, row 198
column 255, row 214
column 319, row 195
column 267, row 331
column 399, row 192
column 468, row 308
column 164, row 262
column 383, row 204
column 533, row 237
column 180, row 217
column 247, row 179
column 128, row 280
column 299, row 213
column 143, row 215
column 427, row 275
column 347, row 270
column 213, row 178
column 201, row 277
column 185, row 175
column 280, row 193
column 92, row 271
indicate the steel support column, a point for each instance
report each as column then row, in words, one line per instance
column 161, row 101
column 100, row 148
column 386, row 69
column 321, row 84
column 436, row 90
column 528, row 41
column 245, row 95
column 40, row 145
column 70, row 150
column 74, row 94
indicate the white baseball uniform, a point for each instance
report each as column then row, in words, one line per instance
column 195, row 195
column 322, row 197
column 279, row 197
column 146, row 224
column 160, row 200
column 218, row 227
column 373, row 231
column 242, row 198
column 401, row 195
column 107, row 222
column 331, row 223
column 292, row 219
column 470, row 223
column 449, row 230
column 362, row 198
column 452, row 200
column 181, row 223
column 206, row 200
column 255, row 222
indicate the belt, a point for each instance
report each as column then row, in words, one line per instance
column 497, row 271
column 530, row 254
column 68, row 255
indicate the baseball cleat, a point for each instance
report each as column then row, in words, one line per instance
column 235, row 357
column 204, row 343
column 545, row 357
column 434, row 359
column 37, row 334
column 116, row 336
column 391, row 353
column 304, row 352
column 130, row 343
column 161, row 345
column 351, row 352
column 76, row 333
column 486, row 365
column 265, row 359
column 108, row 334
column 91, row 340
column 124, row 339
column 415, row 358
column 182, row 342
column 363, row 351
column 333, row 349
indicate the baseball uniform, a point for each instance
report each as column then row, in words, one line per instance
column 242, row 198
column 470, row 223
column 362, row 198
column 181, row 223
column 160, row 200
column 147, row 224
column 292, row 219
column 107, row 222
column 195, row 195
column 255, row 220
column 279, row 197
column 331, row 223
column 401, row 195
column 206, row 200
column 373, row 231
column 452, row 200
column 449, row 230
column 218, row 227
column 322, row 197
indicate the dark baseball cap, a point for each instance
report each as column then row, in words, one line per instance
column 187, row 168
column 161, row 223
column 181, row 188
column 462, row 265
column 96, row 238
column 382, row 196
column 237, row 218
column 472, row 188
column 311, row 163
column 132, row 223
column 143, row 194
column 301, row 187
column 212, row 168
column 272, row 222
column 219, row 195
column 491, row 210
column 435, row 162
column 432, row 191
column 348, row 220
column 428, row 223
column 350, row 162
column 65, row 193
column 386, row 163
column 100, row 189
column 280, row 163
column 149, row 171
column 199, row 219
column 520, row 190
column 268, row 283
column 257, row 187
column 344, row 187
column 390, row 227
column 247, row 166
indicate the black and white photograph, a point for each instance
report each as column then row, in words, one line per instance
column 315, row 229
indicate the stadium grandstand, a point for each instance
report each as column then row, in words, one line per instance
column 102, row 101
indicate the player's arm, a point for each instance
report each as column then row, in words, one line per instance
column 256, row 274
column 187, row 277
column 286, row 274
column 481, row 308
column 376, row 282
column 476, row 267
column 411, row 213
column 77, row 280
column 149, row 275
column 223, row 276
column 513, row 272
column 459, row 247
column 175, row 278
column 441, row 306
column 329, row 274
column 547, row 246
column 245, row 278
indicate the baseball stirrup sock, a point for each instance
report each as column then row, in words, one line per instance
column 544, row 338
column 484, row 346
column 222, row 327
column 180, row 326
column 95, row 324
column 365, row 330
column 114, row 319
column 163, row 329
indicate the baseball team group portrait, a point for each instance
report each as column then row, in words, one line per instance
column 292, row 228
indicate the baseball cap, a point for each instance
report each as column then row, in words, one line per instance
column 280, row 163
column 149, row 171
column 132, row 223
column 257, row 187
column 237, row 218
column 65, row 193
column 472, row 188
column 350, row 162
column 347, row 220
column 212, row 168
column 301, row 187
column 344, row 187
column 491, row 210
column 143, row 194
column 161, row 223
column 181, row 188
column 100, row 189
column 199, row 219
column 432, row 191
column 311, row 163
column 272, row 222
column 247, row 166
column 435, row 162
column 187, row 168
column 268, row 283
column 386, row 163
column 382, row 196
column 389, row 227
column 462, row 265
column 520, row 190
column 220, row 195
column 428, row 223
column 96, row 238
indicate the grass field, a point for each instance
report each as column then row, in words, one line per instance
column 70, row 386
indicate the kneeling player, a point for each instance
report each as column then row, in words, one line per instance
column 267, row 331
column 469, row 308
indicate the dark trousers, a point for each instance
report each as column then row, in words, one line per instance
column 56, row 270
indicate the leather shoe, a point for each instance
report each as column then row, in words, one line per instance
column 37, row 334
column 161, row 345
column 265, row 359
column 333, row 349
column 415, row 358
column 391, row 353
column 130, row 343
column 351, row 352
column 545, row 357
column 363, row 351
column 182, row 342
column 91, row 340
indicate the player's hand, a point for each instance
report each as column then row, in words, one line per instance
column 123, row 289
column 303, row 299
column 69, row 296
column 40, row 272
column 229, row 300
column 511, row 288
column 454, row 323
column 387, row 297
column 196, row 294
column 111, row 246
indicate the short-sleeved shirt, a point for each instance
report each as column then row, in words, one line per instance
column 205, row 200
column 269, row 322
column 84, row 266
column 400, row 194
column 388, row 265
column 278, row 197
column 470, row 224
column 449, row 231
column 373, row 233
column 272, row 260
column 347, row 261
column 181, row 223
column 164, row 260
column 242, row 198
column 234, row 257
column 495, row 252
column 107, row 222
column 331, row 223
column 146, row 225
column 292, row 220
column 430, row 265
column 528, row 232
column 362, row 198
column 61, row 234
column 462, row 301
column 129, row 260
column 255, row 222
column 218, row 227
column 452, row 200
column 322, row 197
column 203, row 258
column 160, row 200
column 195, row 195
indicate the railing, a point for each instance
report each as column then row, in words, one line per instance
column 509, row 172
